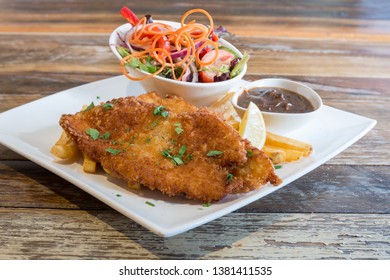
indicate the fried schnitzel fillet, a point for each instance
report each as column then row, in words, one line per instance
column 169, row 145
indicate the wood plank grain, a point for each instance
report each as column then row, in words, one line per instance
column 311, row 57
column 329, row 188
column 71, row 234
column 22, row 87
column 377, row 9
column 91, row 54
column 34, row 187
column 249, row 26
column 304, row 19
column 338, row 211
column 69, row 54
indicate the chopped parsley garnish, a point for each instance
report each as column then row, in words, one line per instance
column 132, row 141
column 166, row 153
column 118, row 195
column 160, row 111
column 107, row 106
column 164, row 114
column 229, row 177
column 93, row 133
column 176, row 159
column 149, row 203
column 90, row 106
column 113, row 151
column 249, row 153
column 154, row 124
column 182, row 150
column 214, row 153
column 178, row 128
column 157, row 110
column 278, row 166
column 207, row 204
column 105, row 136
column 148, row 140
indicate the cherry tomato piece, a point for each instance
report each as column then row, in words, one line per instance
column 218, row 67
column 129, row 15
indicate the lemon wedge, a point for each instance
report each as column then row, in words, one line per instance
column 252, row 126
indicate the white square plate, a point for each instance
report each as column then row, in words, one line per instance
column 32, row 129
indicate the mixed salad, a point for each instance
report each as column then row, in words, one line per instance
column 189, row 53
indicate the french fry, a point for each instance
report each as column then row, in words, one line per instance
column 277, row 156
column 89, row 165
column 107, row 171
column 287, row 143
column 134, row 186
column 65, row 147
column 291, row 155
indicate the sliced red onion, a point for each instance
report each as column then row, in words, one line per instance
column 195, row 75
column 122, row 41
column 137, row 48
column 187, row 75
column 191, row 74
column 182, row 53
column 126, row 39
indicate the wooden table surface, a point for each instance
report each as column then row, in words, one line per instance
column 341, row 210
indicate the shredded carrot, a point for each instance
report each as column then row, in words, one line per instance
column 211, row 27
column 187, row 37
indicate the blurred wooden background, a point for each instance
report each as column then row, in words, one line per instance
column 339, row 211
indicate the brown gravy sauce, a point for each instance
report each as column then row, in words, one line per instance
column 278, row 100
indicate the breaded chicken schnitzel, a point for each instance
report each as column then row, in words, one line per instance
column 169, row 145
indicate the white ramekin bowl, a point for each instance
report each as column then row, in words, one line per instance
column 286, row 122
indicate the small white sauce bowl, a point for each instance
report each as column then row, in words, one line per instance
column 199, row 94
column 283, row 122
